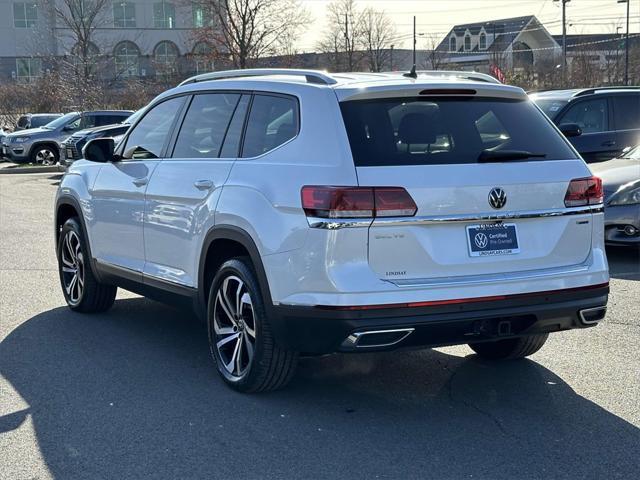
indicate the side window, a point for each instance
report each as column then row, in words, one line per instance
column 89, row 121
column 205, row 125
column 272, row 121
column 148, row 137
column 590, row 115
column 75, row 125
column 626, row 112
column 231, row 147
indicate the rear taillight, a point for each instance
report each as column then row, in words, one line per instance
column 584, row 191
column 357, row 202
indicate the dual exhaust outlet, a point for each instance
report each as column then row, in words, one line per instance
column 388, row 338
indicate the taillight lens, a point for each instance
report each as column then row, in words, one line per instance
column 357, row 202
column 584, row 191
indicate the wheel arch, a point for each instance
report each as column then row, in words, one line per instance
column 40, row 143
column 236, row 242
column 66, row 208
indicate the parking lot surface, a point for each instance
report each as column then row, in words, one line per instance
column 132, row 393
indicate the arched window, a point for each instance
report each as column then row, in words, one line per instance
column 483, row 41
column 164, row 15
column 85, row 59
column 453, row 44
column 202, row 56
column 165, row 56
column 467, row 42
column 127, row 59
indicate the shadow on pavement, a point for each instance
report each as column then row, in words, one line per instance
column 624, row 262
column 132, row 393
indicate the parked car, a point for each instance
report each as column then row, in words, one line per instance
column 35, row 120
column 301, row 212
column 599, row 122
column 621, row 180
column 71, row 147
column 42, row 145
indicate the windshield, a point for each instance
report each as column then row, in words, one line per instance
column 550, row 106
column 633, row 154
column 447, row 130
column 131, row 119
column 61, row 121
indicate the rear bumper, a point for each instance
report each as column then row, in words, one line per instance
column 318, row 330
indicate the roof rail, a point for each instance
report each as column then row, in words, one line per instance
column 589, row 91
column 477, row 76
column 312, row 76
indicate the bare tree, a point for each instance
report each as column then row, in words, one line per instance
column 342, row 40
column 377, row 32
column 81, row 19
column 436, row 57
column 246, row 30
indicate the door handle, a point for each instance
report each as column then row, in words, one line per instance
column 609, row 143
column 140, row 182
column 203, row 184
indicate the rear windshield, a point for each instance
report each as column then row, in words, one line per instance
column 42, row 120
column 433, row 131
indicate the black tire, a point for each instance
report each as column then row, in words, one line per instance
column 269, row 367
column 88, row 296
column 45, row 155
column 510, row 349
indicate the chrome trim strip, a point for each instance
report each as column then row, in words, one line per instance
column 489, row 278
column 338, row 223
column 353, row 339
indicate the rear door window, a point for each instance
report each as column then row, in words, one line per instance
column 591, row 115
column 273, row 120
column 205, row 125
column 445, row 130
column 626, row 112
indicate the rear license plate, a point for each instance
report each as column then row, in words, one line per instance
column 492, row 239
column 68, row 153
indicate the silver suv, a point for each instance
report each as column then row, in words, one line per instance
column 305, row 213
column 42, row 145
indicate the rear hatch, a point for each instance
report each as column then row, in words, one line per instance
column 488, row 176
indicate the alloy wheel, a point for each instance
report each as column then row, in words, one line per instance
column 45, row 156
column 72, row 264
column 234, row 326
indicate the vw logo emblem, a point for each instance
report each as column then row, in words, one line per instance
column 480, row 240
column 497, row 198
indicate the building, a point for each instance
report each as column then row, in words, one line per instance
column 512, row 43
column 134, row 38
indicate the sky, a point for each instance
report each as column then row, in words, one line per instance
column 438, row 16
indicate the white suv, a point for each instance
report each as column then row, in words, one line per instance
column 305, row 213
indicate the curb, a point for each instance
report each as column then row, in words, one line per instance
column 43, row 169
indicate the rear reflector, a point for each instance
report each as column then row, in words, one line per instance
column 357, row 202
column 584, row 191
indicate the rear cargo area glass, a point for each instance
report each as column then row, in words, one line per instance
column 445, row 130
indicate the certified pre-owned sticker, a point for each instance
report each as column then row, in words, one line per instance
column 492, row 239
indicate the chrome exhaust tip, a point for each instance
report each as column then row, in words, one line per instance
column 376, row 338
column 591, row 316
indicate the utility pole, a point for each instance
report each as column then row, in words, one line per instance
column 626, row 45
column 564, row 40
column 391, row 56
column 346, row 41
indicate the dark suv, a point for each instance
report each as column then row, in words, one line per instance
column 599, row 122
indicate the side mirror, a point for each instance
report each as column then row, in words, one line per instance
column 571, row 130
column 99, row 150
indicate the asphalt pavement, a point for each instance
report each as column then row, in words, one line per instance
column 132, row 393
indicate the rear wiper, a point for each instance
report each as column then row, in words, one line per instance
column 500, row 155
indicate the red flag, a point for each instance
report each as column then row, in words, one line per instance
column 496, row 72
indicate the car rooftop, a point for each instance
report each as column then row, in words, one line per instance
column 579, row 92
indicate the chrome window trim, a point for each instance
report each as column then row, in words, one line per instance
column 338, row 223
